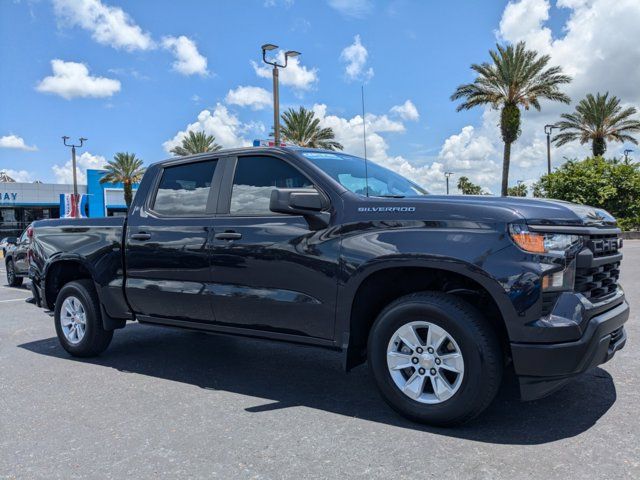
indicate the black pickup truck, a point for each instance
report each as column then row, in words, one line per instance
column 438, row 294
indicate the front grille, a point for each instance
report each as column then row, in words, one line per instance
column 599, row 279
column 603, row 245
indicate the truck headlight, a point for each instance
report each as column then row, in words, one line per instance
column 536, row 242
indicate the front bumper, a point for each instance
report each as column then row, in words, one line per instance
column 543, row 368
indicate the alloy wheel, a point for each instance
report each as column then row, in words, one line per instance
column 425, row 362
column 73, row 320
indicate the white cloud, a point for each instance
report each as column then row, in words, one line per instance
column 19, row 175
column 526, row 18
column 275, row 3
column 14, row 141
column 472, row 154
column 255, row 97
column 108, row 25
column 596, row 47
column 64, row 173
column 406, row 111
column 355, row 56
column 349, row 132
column 222, row 124
column 188, row 60
column 352, row 8
column 71, row 79
column 295, row 75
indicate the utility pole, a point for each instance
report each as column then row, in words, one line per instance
column 548, row 129
column 75, row 178
column 267, row 47
column 447, row 175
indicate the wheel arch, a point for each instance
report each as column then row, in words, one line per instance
column 59, row 272
column 65, row 269
column 372, row 288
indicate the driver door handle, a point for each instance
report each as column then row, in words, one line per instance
column 228, row 236
column 140, row 236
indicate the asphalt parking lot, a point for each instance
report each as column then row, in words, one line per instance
column 167, row 403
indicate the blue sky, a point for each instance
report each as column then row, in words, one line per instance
column 131, row 95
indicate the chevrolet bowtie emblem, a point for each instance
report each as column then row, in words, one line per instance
column 594, row 215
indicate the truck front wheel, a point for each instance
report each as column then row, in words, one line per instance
column 435, row 358
column 79, row 321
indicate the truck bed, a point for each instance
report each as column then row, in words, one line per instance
column 97, row 242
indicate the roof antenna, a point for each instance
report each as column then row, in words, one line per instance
column 364, row 140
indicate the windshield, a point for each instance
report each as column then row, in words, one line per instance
column 350, row 172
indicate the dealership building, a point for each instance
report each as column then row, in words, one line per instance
column 22, row 203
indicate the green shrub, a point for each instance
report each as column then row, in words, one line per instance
column 611, row 184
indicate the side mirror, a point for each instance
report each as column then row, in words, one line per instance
column 306, row 202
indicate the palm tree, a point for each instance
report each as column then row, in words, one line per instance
column 302, row 128
column 598, row 120
column 467, row 187
column 125, row 168
column 517, row 78
column 196, row 142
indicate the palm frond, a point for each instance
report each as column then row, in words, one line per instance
column 196, row 142
column 302, row 128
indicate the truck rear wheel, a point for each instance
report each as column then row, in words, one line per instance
column 79, row 321
column 435, row 358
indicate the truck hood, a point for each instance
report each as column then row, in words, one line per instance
column 534, row 210
column 543, row 212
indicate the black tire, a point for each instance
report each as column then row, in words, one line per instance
column 478, row 344
column 12, row 278
column 96, row 339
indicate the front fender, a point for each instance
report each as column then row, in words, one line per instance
column 473, row 253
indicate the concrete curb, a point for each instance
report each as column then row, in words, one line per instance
column 631, row 235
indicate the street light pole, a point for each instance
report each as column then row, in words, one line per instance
column 276, row 106
column 626, row 154
column 267, row 47
column 447, row 175
column 548, row 129
column 73, row 162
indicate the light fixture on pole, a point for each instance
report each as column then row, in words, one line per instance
column 75, row 202
column 548, row 129
column 267, row 47
column 626, row 154
column 447, row 175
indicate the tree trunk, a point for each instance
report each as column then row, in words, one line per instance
column 510, row 129
column 598, row 147
column 128, row 195
column 506, row 160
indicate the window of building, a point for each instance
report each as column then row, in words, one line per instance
column 184, row 189
column 255, row 179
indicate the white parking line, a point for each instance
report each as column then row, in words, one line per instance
column 13, row 300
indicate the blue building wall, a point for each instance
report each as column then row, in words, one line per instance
column 96, row 193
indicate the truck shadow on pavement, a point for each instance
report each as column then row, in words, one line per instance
column 289, row 376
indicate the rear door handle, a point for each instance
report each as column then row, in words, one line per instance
column 228, row 236
column 140, row 236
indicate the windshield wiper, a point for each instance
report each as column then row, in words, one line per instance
column 389, row 196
